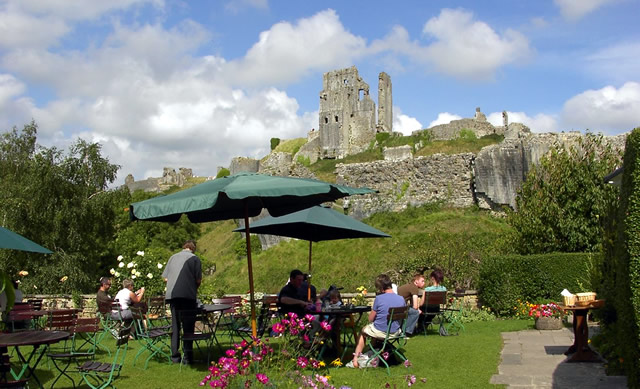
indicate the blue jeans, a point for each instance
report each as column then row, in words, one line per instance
column 412, row 320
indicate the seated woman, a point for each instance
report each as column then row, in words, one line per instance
column 126, row 298
column 377, row 327
column 436, row 277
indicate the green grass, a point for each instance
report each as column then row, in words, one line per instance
column 290, row 146
column 417, row 233
column 464, row 361
column 459, row 145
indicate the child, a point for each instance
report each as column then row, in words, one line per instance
column 334, row 300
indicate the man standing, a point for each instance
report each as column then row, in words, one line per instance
column 183, row 274
column 414, row 297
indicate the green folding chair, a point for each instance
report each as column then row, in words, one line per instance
column 392, row 343
column 151, row 340
column 100, row 375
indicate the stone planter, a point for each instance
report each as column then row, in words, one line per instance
column 548, row 323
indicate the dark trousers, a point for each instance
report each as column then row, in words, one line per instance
column 177, row 322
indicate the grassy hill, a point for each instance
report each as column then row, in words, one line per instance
column 455, row 240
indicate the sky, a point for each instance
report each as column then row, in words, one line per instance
column 169, row 83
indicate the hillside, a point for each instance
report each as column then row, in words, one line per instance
column 422, row 238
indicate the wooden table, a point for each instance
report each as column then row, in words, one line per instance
column 30, row 338
column 580, row 348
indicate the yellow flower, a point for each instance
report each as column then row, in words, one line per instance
column 23, row 273
column 321, row 364
column 336, row 362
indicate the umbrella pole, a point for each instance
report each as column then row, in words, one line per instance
column 309, row 281
column 254, row 330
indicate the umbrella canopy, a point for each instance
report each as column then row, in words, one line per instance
column 241, row 196
column 11, row 240
column 315, row 224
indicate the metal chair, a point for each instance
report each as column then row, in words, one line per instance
column 152, row 340
column 437, row 310
column 231, row 318
column 84, row 332
column 396, row 341
column 6, row 380
column 157, row 313
column 100, row 375
column 196, row 329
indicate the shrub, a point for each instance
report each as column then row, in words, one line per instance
column 506, row 280
column 240, row 247
column 223, row 173
column 305, row 161
column 274, row 143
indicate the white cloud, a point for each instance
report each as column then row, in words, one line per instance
column 460, row 46
column 574, row 10
column 539, row 123
column 286, row 52
column 617, row 63
column 444, row 118
column 608, row 110
column 403, row 123
column 9, row 88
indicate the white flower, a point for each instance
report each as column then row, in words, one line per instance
column 129, row 265
column 133, row 271
column 138, row 273
column 121, row 264
column 116, row 274
column 35, row 287
column 133, row 277
column 120, row 258
column 112, row 271
column 159, row 266
column 63, row 279
column 149, row 275
column 140, row 253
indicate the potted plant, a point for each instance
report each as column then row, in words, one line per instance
column 547, row 316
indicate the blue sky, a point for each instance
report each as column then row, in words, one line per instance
column 193, row 83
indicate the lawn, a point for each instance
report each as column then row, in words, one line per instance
column 464, row 361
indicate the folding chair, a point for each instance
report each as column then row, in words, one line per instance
column 6, row 380
column 100, row 375
column 157, row 314
column 230, row 319
column 394, row 341
column 84, row 334
column 263, row 321
column 202, row 332
column 20, row 319
column 36, row 304
column 152, row 340
column 433, row 308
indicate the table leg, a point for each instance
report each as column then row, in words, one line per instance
column 26, row 363
column 581, row 349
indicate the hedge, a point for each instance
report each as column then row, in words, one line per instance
column 621, row 272
column 506, row 279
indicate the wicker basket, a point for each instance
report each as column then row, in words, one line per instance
column 585, row 297
column 569, row 301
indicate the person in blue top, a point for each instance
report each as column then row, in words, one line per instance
column 436, row 277
column 377, row 327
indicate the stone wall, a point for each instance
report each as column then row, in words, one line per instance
column 169, row 178
column 414, row 182
column 244, row 164
column 452, row 129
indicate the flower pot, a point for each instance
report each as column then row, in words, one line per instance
column 548, row 323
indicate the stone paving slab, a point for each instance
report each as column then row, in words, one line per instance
column 533, row 359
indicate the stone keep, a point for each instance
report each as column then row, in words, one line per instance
column 347, row 117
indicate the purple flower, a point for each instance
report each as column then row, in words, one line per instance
column 230, row 352
column 278, row 328
column 309, row 317
column 302, row 362
column 407, row 364
column 385, row 355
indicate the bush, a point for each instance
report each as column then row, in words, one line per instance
column 240, row 247
column 506, row 280
column 223, row 173
column 274, row 143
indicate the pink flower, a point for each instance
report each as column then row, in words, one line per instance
column 325, row 325
column 322, row 379
column 230, row 352
column 217, row 384
column 315, row 364
column 411, row 379
column 309, row 317
column 244, row 343
column 302, row 362
column 278, row 328
column 247, row 384
column 262, row 378
column 385, row 355
column 214, row 371
column 293, row 316
column 407, row 364
column 305, row 337
column 244, row 363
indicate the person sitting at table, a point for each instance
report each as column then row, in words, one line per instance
column 18, row 293
column 126, row 298
column 377, row 327
column 289, row 298
column 413, row 295
column 334, row 300
column 103, row 297
column 435, row 278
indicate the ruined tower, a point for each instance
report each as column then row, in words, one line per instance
column 347, row 114
column 385, row 104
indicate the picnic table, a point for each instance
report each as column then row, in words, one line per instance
column 580, row 348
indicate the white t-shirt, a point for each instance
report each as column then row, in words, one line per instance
column 124, row 298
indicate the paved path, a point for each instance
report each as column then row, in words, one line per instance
column 535, row 359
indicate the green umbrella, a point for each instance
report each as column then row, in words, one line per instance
column 11, row 240
column 241, row 196
column 315, row 224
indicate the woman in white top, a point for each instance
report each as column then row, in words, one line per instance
column 126, row 298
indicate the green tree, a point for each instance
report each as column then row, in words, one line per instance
column 563, row 198
column 61, row 201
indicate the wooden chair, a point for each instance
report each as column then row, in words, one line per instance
column 152, row 340
column 100, row 375
column 20, row 319
column 157, row 313
column 84, row 333
column 36, row 304
column 396, row 341
column 6, row 380
column 433, row 308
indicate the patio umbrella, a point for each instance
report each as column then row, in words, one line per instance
column 315, row 224
column 241, row 196
column 11, row 240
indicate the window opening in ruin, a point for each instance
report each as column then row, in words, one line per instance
column 336, row 118
column 346, row 81
column 326, row 120
column 360, row 94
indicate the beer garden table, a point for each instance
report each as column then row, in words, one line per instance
column 580, row 348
